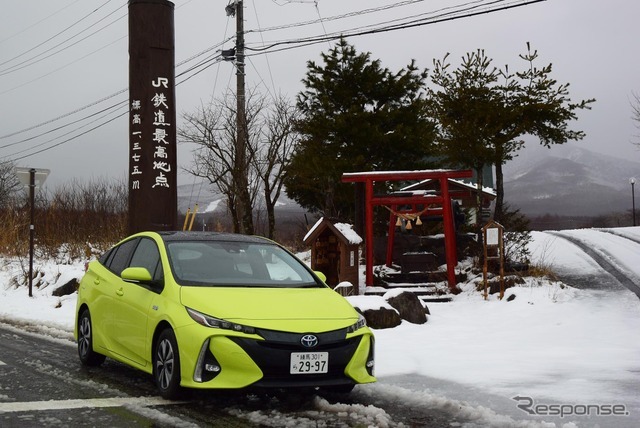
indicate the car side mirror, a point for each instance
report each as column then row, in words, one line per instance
column 320, row 275
column 136, row 275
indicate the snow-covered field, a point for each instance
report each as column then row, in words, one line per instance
column 563, row 351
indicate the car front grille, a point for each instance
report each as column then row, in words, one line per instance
column 273, row 356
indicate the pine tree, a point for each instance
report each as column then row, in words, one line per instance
column 356, row 116
column 484, row 113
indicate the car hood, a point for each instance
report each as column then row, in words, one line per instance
column 304, row 309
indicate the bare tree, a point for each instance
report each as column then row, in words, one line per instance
column 213, row 130
column 635, row 116
column 274, row 154
column 9, row 183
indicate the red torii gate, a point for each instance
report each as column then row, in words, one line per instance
column 444, row 200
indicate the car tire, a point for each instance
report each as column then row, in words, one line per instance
column 166, row 365
column 88, row 356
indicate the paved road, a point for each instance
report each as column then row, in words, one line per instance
column 42, row 384
column 605, row 257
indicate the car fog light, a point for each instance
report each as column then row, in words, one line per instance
column 212, row 368
column 370, row 364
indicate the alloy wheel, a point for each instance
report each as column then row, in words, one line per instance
column 164, row 363
column 88, row 356
column 84, row 337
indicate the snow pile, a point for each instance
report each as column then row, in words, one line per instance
column 323, row 414
column 552, row 342
column 348, row 232
column 479, row 415
column 48, row 312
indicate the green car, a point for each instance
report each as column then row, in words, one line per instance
column 217, row 310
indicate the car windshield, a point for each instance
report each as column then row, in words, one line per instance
column 242, row 264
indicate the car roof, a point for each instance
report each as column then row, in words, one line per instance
column 212, row 236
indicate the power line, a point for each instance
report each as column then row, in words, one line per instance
column 38, row 22
column 48, row 54
column 65, row 115
column 338, row 17
column 216, row 58
column 204, row 65
column 266, row 57
column 64, row 126
column 60, row 68
column 57, row 34
column 70, row 139
column 30, row 128
column 419, row 23
column 120, row 105
column 301, row 41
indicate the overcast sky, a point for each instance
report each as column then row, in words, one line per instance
column 59, row 56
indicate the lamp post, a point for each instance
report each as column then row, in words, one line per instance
column 632, row 181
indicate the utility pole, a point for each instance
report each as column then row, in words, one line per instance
column 632, row 181
column 243, row 200
column 241, row 117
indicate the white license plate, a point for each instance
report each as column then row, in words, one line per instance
column 309, row 362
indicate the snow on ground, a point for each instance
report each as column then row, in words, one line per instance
column 53, row 313
column 560, row 255
column 542, row 341
column 620, row 251
column 554, row 345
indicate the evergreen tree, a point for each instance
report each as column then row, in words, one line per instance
column 465, row 109
column 484, row 113
column 355, row 116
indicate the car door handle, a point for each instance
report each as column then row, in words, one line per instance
column 120, row 292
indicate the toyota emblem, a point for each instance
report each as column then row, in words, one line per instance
column 309, row 341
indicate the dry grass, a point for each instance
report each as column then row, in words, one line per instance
column 541, row 271
column 77, row 219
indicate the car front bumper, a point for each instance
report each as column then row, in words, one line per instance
column 231, row 360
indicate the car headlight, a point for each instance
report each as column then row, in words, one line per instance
column 362, row 322
column 212, row 322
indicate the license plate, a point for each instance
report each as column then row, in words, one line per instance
column 309, row 362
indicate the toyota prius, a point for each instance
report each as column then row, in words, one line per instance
column 215, row 310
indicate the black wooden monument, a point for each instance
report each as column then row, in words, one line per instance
column 152, row 117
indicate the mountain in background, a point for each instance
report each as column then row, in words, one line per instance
column 568, row 181
column 562, row 181
column 212, row 211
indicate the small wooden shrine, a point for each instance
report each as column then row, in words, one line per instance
column 334, row 252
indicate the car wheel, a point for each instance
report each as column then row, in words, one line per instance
column 88, row 356
column 166, row 365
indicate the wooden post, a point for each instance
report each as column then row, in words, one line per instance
column 391, row 234
column 368, row 243
column 492, row 234
column 449, row 234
